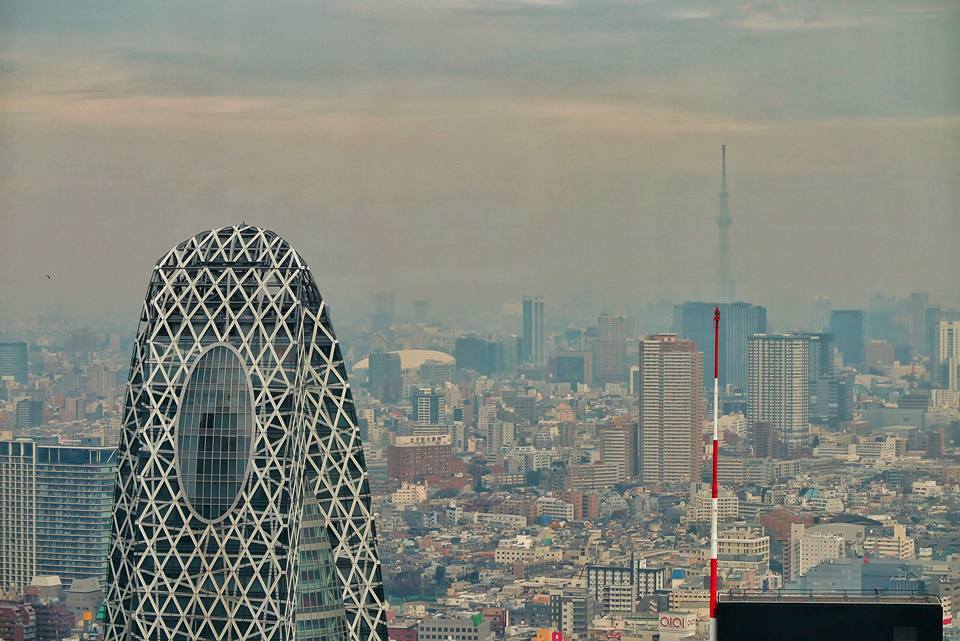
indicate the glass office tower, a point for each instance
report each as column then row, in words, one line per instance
column 242, row 500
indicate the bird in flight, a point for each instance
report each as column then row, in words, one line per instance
column 49, row 277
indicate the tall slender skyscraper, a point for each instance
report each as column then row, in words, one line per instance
column 611, row 349
column 671, row 410
column 778, row 389
column 945, row 360
column 533, row 340
column 726, row 288
column 242, row 501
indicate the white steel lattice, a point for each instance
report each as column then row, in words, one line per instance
column 182, row 567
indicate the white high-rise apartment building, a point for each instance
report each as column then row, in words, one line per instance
column 946, row 358
column 778, row 390
column 55, row 502
column 671, row 410
column 18, row 514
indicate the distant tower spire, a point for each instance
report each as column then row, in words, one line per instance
column 725, row 285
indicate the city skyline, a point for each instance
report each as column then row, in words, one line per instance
column 647, row 320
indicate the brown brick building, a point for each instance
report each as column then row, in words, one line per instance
column 410, row 458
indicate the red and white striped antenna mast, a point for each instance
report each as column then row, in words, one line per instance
column 716, row 485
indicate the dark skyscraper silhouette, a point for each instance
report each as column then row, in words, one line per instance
column 385, row 376
column 694, row 320
column 533, row 337
column 846, row 325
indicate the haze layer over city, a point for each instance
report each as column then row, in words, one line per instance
column 395, row 321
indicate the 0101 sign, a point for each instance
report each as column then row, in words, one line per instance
column 677, row 622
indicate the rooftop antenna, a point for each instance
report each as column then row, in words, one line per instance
column 715, row 488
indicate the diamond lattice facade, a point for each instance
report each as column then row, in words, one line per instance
column 242, row 501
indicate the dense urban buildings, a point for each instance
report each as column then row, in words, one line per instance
column 501, row 487
column 512, row 501
column 241, row 492
column 190, row 452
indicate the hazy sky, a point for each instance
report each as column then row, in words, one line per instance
column 479, row 149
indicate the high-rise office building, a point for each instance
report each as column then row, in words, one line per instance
column 29, row 413
column 832, row 398
column 506, row 353
column 846, row 325
column 779, row 387
column 917, row 306
column 429, row 406
column 382, row 317
column 475, row 353
column 421, row 309
column 572, row 367
column 945, row 360
column 13, row 361
column 385, row 376
column 671, row 411
column 931, row 319
column 242, row 501
column 831, row 392
column 738, row 322
column 822, row 306
column 56, row 506
column 534, row 339
column 820, row 353
column 435, row 373
column 611, row 350
column 694, row 321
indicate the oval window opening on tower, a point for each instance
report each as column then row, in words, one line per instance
column 214, row 432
